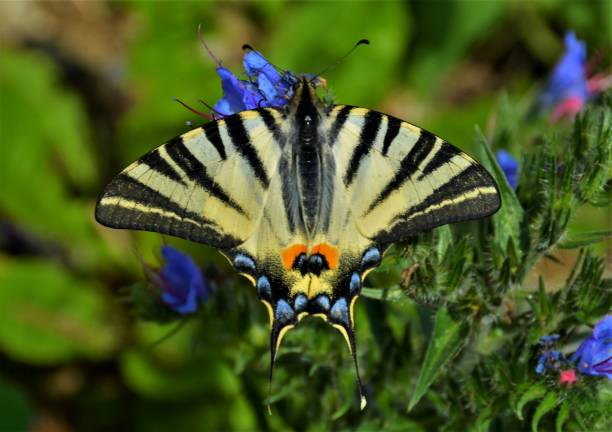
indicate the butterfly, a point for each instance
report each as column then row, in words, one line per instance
column 303, row 199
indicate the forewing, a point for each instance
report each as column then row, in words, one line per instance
column 403, row 180
column 209, row 185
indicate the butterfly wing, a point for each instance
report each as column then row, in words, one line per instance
column 392, row 180
column 211, row 185
column 403, row 180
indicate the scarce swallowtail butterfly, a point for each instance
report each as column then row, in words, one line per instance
column 303, row 199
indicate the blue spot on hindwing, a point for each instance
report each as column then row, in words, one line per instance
column 339, row 311
column 244, row 264
column 323, row 302
column 355, row 284
column 300, row 302
column 284, row 313
column 264, row 289
column 371, row 258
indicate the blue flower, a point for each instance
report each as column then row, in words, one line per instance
column 549, row 339
column 568, row 79
column 277, row 89
column 549, row 359
column 594, row 355
column 509, row 165
column 266, row 87
column 182, row 282
column 237, row 95
column 569, row 87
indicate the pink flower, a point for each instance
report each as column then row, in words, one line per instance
column 567, row 376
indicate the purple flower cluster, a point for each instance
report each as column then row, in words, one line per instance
column 183, row 285
column 265, row 86
column 550, row 359
column 569, row 88
column 594, row 355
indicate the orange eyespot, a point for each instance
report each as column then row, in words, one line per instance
column 329, row 252
column 290, row 254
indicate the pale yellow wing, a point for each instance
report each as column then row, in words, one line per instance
column 400, row 180
column 212, row 185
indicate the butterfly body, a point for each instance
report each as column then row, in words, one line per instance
column 303, row 199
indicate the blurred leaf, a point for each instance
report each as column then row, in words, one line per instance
column 44, row 147
column 444, row 344
column 547, row 404
column 562, row 416
column 584, row 239
column 315, row 35
column 445, row 32
column 165, row 378
column 25, row 81
column 15, row 412
column 536, row 391
column 48, row 316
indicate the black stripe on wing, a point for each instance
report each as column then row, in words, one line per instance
column 272, row 125
column 156, row 162
column 471, row 194
column 155, row 212
column 408, row 166
column 196, row 171
column 338, row 123
column 211, row 130
column 442, row 156
column 242, row 143
column 369, row 130
column 393, row 128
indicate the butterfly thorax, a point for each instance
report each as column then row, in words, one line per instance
column 310, row 162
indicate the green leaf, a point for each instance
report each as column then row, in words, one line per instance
column 507, row 221
column 536, row 391
column 547, row 404
column 584, row 239
column 172, row 375
column 15, row 412
column 355, row 82
column 47, row 316
column 444, row 344
column 562, row 416
column 434, row 52
column 45, row 152
column 445, row 240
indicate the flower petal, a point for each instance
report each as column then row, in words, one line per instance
column 568, row 78
column 233, row 93
column 603, row 329
column 183, row 284
column 275, row 87
column 510, row 167
column 255, row 64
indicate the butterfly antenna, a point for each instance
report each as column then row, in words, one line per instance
column 196, row 112
column 210, row 108
column 206, row 47
column 341, row 59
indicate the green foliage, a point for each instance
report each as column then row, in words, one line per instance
column 444, row 343
column 48, row 316
column 447, row 327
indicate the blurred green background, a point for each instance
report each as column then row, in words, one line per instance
column 87, row 87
